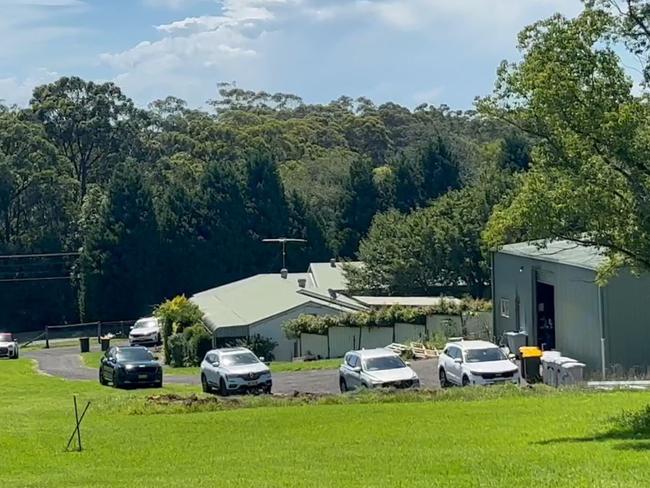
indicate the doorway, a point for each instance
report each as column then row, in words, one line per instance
column 545, row 307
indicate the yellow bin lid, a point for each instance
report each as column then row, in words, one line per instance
column 530, row 352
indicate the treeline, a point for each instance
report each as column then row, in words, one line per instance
column 169, row 200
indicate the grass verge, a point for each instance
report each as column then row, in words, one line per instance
column 474, row 437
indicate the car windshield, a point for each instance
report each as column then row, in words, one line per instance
column 134, row 355
column 145, row 324
column 4, row 337
column 383, row 362
column 238, row 359
column 482, row 355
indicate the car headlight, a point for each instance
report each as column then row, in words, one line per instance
column 130, row 366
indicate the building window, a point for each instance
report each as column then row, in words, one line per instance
column 505, row 308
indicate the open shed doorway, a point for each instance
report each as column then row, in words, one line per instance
column 545, row 316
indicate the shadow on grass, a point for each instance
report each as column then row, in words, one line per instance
column 631, row 427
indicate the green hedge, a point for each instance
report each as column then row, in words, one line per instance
column 385, row 317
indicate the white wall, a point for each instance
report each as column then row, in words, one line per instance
column 342, row 340
column 272, row 328
column 314, row 344
column 479, row 325
column 450, row 325
column 373, row 337
column 405, row 333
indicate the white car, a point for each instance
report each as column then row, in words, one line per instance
column 466, row 363
column 375, row 368
column 145, row 331
column 8, row 346
column 234, row 370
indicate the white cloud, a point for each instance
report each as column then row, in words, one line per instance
column 265, row 41
column 19, row 91
column 171, row 4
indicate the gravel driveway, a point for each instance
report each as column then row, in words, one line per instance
column 66, row 362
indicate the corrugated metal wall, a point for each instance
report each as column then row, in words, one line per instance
column 577, row 325
column 627, row 320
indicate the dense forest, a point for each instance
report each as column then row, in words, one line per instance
column 150, row 203
column 169, row 200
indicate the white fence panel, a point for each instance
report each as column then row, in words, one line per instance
column 314, row 344
column 449, row 325
column 478, row 325
column 372, row 337
column 342, row 340
column 405, row 333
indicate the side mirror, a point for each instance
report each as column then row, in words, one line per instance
column 408, row 363
column 357, row 369
column 261, row 358
column 511, row 356
column 458, row 361
column 215, row 364
column 156, row 358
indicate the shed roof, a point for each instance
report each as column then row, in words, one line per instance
column 328, row 276
column 406, row 301
column 248, row 301
column 560, row 251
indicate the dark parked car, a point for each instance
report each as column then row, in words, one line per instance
column 125, row 366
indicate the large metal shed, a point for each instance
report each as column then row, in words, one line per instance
column 551, row 293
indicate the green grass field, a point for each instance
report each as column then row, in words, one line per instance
column 473, row 438
column 92, row 359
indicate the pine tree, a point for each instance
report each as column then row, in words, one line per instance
column 359, row 208
column 119, row 260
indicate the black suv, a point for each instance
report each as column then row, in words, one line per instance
column 124, row 366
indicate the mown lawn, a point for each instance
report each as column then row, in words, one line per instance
column 506, row 438
column 92, row 359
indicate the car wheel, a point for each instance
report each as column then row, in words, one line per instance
column 343, row 385
column 205, row 386
column 465, row 381
column 102, row 381
column 115, row 381
column 444, row 382
column 16, row 355
column 267, row 390
column 223, row 390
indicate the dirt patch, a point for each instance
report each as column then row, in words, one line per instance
column 192, row 401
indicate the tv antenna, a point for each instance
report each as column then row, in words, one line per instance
column 284, row 241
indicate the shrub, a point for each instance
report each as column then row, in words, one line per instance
column 199, row 342
column 175, row 316
column 177, row 345
column 633, row 423
column 384, row 317
column 261, row 346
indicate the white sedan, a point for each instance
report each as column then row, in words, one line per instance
column 467, row 363
column 145, row 331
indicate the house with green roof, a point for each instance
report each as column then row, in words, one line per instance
column 261, row 304
column 550, row 291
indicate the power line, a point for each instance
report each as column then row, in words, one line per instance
column 49, row 255
column 45, row 278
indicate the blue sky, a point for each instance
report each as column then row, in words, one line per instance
column 407, row 51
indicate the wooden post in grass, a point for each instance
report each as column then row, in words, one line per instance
column 77, row 429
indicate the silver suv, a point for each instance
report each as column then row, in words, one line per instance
column 234, row 370
column 375, row 368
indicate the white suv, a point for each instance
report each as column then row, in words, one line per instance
column 8, row 346
column 375, row 368
column 234, row 370
column 475, row 363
